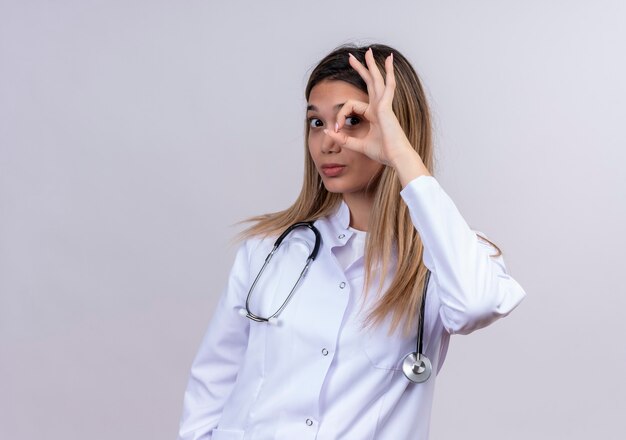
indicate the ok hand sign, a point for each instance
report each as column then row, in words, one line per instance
column 385, row 141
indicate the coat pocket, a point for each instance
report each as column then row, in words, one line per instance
column 227, row 434
column 386, row 351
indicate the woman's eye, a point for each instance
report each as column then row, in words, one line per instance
column 315, row 122
column 352, row 120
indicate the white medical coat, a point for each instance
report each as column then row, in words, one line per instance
column 320, row 374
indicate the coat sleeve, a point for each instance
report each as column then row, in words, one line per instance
column 216, row 365
column 474, row 287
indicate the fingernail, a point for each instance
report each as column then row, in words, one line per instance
column 336, row 127
column 350, row 55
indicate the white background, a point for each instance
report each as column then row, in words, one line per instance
column 134, row 134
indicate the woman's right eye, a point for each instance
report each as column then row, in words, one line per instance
column 315, row 122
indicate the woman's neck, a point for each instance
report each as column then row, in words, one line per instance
column 360, row 205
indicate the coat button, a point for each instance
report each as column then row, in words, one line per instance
column 342, row 285
column 309, row 422
column 341, row 236
column 324, row 352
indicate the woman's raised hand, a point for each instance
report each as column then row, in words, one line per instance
column 385, row 141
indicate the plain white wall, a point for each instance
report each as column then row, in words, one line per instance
column 133, row 134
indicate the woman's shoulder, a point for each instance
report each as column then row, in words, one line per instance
column 253, row 242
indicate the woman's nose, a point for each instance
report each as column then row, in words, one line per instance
column 329, row 145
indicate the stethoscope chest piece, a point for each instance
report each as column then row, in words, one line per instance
column 416, row 369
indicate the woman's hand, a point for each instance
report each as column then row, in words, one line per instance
column 385, row 141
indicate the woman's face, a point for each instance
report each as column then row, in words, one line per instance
column 342, row 170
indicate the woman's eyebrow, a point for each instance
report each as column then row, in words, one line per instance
column 315, row 109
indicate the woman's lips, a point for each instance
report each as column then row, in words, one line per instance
column 332, row 170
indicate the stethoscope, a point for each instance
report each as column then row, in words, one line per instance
column 416, row 366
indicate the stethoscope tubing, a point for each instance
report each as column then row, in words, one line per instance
column 416, row 367
column 277, row 243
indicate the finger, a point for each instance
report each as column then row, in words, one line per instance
column 377, row 77
column 362, row 71
column 390, row 80
column 350, row 107
column 345, row 141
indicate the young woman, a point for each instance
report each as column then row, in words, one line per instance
column 329, row 361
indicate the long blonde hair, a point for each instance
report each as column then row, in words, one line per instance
column 390, row 227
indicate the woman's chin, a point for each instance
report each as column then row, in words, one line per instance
column 334, row 188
